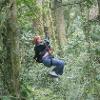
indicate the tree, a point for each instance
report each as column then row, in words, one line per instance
column 38, row 22
column 60, row 25
column 98, row 1
column 11, row 64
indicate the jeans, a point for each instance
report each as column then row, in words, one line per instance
column 51, row 61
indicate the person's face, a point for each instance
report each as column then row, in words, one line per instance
column 39, row 40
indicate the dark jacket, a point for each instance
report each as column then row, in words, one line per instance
column 40, row 50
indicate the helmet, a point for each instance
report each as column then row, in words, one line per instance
column 37, row 39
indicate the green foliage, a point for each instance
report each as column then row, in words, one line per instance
column 28, row 11
column 95, row 32
column 27, row 8
column 81, row 78
column 5, row 98
column 81, row 74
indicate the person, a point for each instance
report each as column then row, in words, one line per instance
column 43, row 54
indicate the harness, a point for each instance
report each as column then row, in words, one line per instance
column 40, row 51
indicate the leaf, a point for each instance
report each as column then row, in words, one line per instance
column 5, row 98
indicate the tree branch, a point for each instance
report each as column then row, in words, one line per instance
column 74, row 3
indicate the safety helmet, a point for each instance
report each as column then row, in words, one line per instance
column 37, row 39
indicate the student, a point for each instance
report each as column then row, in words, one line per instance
column 43, row 54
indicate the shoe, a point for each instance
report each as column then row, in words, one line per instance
column 53, row 74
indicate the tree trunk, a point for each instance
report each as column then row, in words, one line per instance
column 98, row 1
column 48, row 21
column 11, row 44
column 60, row 26
column 38, row 22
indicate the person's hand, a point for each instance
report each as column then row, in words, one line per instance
column 46, row 54
column 50, row 50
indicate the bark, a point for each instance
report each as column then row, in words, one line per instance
column 48, row 19
column 38, row 22
column 98, row 1
column 11, row 45
column 60, row 26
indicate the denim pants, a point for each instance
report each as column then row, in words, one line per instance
column 50, row 61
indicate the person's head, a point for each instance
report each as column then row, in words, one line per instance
column 37, row 39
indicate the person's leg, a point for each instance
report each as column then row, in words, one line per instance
column 59, row 66
column 46, row 61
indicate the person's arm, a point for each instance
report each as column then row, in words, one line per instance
column 46, row 54
column 36, row 54
column 50, row 50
